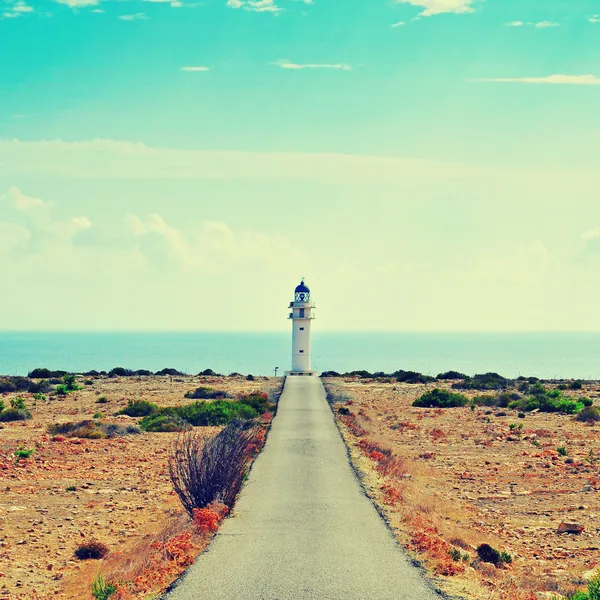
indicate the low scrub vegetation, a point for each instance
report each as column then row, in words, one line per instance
column 545, row 400
column 92, row 430
column 91, row 550
column 440, row 399
column 206, row 393
column 69, row 385
column 589, row 414
column 485, row 381
column 207, row 471
column 138, row 408
column 103, row 589
column 198, row 414
column 46, row 374
column 592, row 592
column 449, row 375
column 18, row 411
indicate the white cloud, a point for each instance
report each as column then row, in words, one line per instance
column 551, row 80
column 79, row 3
column 286, row 64
column 256, row 5
column 536, row 24
column 20, row 201
column 594, row 19
column 592, row 234
column 21, row 7
column 398, row 24
column 436, row 7
column 195, row 69
column 133, row 17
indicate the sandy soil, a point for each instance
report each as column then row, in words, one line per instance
column 122, row 487
column 467, row 479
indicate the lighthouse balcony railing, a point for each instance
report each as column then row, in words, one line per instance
column 302, row 305
column 293, row 316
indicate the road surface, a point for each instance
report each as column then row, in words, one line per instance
column 303, row 528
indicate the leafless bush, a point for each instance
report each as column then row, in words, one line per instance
column 213, row 470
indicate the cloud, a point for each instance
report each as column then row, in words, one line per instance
column 256, row 5
column 550, row 80
column 34, row 229
column 398, row 24
column 79, row 3
column 20, row 201
column 436, row 7
column 133, row 17
column 592, row 234
column 195, row 69
column 17, row 9
column 537, row 25
column 286, row 64
column 594, row 19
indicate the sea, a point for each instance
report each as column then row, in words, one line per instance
column 543, row 355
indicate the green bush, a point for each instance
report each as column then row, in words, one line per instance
column 198, row 414
column 2, row 405
column 18, row 403
column 562, row 451
column 98, row 415
column 590, row 414
column 586, row 401
column 138, row 408
column 22, row 452
column 259, row 401
column 592, row 592
column 208, row 373
column 103, row 589
column 45, row 374
column 451, row 375
column 575, row 385
column 91, row 430
column 70, row 383
column 14, row 415
column 121, row 372
column 161, row 423
column 501, row 400
column 102, row 400
column 171, row 372
column 485, row 381
column 205, row 393
column 411, row 377
column 440, row 398
column 546, row 400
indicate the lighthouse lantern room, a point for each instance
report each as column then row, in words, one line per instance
column 301, row 316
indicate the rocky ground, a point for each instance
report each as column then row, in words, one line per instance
column 464, row 478
column 115, row 490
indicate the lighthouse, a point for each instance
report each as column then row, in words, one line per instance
column 301, row 316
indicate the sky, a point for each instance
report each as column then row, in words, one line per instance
column 427, row 165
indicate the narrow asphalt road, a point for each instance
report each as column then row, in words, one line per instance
column 303, row 528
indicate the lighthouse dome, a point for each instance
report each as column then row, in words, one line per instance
column 302, row 292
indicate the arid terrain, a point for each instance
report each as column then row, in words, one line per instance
column 448, row 480
column 115, row 490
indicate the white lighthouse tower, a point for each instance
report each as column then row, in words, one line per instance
column 301, row 316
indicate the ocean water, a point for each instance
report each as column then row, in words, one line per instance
column 545, row 355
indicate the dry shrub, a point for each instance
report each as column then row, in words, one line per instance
column 203, row 472
column 91, row 550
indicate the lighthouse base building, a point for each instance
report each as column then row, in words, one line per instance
column 302, row 316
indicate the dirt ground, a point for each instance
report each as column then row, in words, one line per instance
column 465, row 478
column 121, row 486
